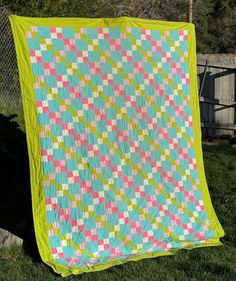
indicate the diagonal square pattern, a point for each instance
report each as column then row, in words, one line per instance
column 119, row 168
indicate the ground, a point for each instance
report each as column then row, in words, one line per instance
column 205, row 264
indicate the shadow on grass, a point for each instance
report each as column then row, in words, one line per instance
column 224, row 149
column 15, row 199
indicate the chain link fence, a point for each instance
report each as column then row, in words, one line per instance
column 10, row 94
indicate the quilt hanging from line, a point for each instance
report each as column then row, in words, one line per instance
column 113, row 131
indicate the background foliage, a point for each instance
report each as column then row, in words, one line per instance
column 215, row 19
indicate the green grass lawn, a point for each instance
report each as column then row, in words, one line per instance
column 205, row 264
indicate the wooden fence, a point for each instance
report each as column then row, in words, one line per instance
column 218, row 95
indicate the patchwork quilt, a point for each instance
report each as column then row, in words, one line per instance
column 113, row 131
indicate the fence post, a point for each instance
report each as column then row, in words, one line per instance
column 203, row 79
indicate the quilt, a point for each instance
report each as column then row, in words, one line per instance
column 113, row 131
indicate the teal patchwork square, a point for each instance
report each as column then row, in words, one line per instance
column 99, row 209
column 66, row 117
column 50, row 81
column 92, row 247
column 37, row 69
column 103, row 149
column 56, row 130
column 109, row 196
column 93, row 56
column 118, row 183
column 106, row 172
column 156, row 35
column 87, row 199
column 120, row 102
column 61, row 68
column 77, row 239
column 116, row 56
column 61, row 178
column 92, row 139
column 126, row 171
column 114, row 33
column 104, row 45
column 89, row 115
column 135, row 158
column 50, row 191
column 52, row 216
column 98, row 103
column 110, row 114
column 118, row 79
column 134, row 216
column 86, row 92
column 137, row 56
column 59, row 154
column 112, row 137
column 47, row 56
column 122, row 124
column 69, row 141
column 136, row 33
column 71, row 56
column 34, row 43
column 113, row 219
column 76, row 104
column 53, row 106
column 68, row 251
column 68, row 32
column 44, row 32
column 92, row 33
column 126, row 44
column 106, row 67
column 96, row 79
column 63, row 93
column 115, row 160
column 73, row 80
column 74, row 189
column 81, row 44
column 43, row 119
column 48, row 167
column 84, row 175
column 63, row 202
column 58, row 44
column 81, row 151
column 131, row 112
column 101, row 126
column 65, row 227
column 137, row 238
column 124, row 147
column 146, row 45
column 89, row 223
column 40, row 94
column 128, row 67
column 144, row 146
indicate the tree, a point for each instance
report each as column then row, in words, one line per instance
column 215, row 20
